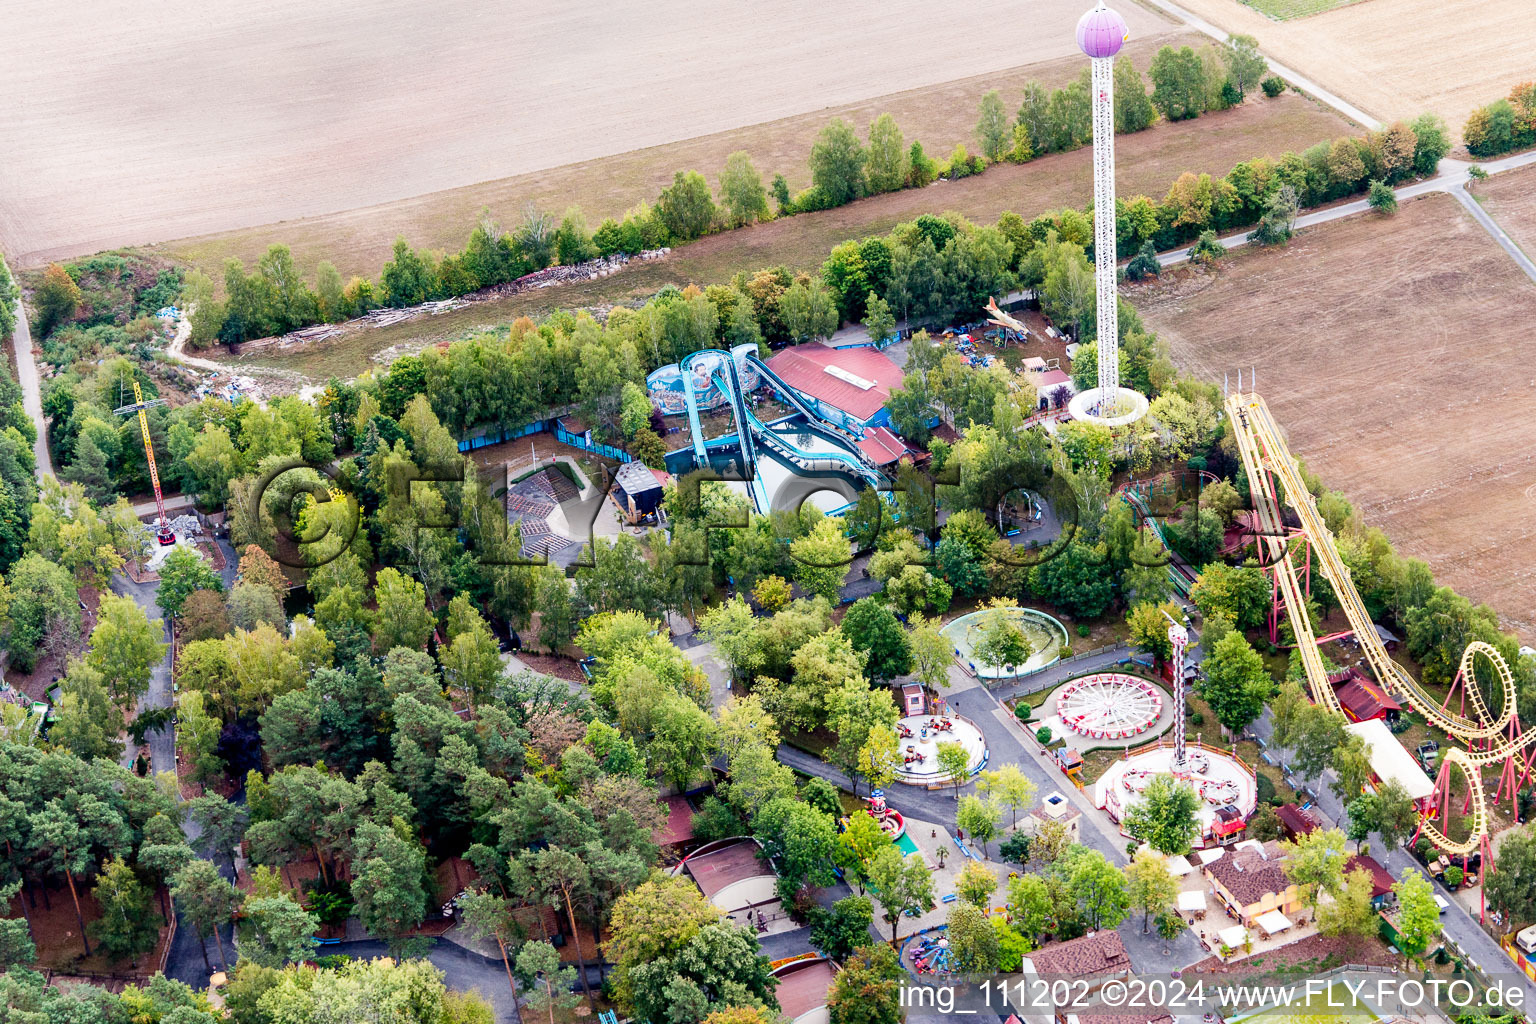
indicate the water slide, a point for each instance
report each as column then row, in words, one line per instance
column 1495, row 738
column 789, row 393
column 700, row 455
column 838, row 461
column 731, row 389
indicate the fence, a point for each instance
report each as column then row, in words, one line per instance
column 1040, row 680
column 552, row 425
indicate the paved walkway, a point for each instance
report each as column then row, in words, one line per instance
column 31, row 389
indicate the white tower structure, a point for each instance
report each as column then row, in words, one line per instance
column 1100, row 34
column 1178, row 637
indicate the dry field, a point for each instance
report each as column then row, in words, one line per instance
column 1393, row 351
column 1510, row 198
column 137, row 123
column 359, row 241
column 1399, row 58
column 1145, row 162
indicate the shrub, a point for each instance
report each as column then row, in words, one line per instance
column 1043, row 734
column 1206, row 249
column 1381, row 197
column 1265, row 788
column 1083, row 629
column 1198, row 718
column 1144, row 264
column 1023, row 712
column 1476, row 173
column 1273, row 86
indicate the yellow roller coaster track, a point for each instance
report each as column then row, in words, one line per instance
column 1265, row 455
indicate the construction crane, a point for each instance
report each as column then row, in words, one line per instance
column 163, row 532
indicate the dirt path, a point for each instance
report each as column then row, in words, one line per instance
column 177, row 349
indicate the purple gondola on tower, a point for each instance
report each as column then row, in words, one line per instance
column 1101, row 32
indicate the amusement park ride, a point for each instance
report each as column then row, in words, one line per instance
column 163, row 532
column 1491, row 739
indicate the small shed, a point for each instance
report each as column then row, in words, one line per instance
column 1295, row 821
column 638, row 488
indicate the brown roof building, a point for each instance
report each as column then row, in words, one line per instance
column 802, row 990
column 1101, row 952
column 1381, row 881
column 1251, row 881
column 730, row 875
column 1362, row 698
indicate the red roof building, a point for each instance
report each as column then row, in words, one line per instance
column 1295, row 821
column 1381, row 882
column 678, row 828
column 852, row 381
column 882, row 447
column 1362, row 698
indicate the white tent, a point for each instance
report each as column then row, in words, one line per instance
column 1180, row 866
column 1214, row 853
column 1192, row 902
column 1390, row 760
column 1233, row 937
column 1273, row 922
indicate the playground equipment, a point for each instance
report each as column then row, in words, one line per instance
column 163, row 532
column 1490, row 739
column 1108, row 705
column 1100, row 34
column 889, row 818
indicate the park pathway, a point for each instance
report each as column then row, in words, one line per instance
column 31, row 389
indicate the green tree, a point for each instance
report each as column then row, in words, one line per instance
column 1097, row 886
column 808, row 311
column 1178, row 83
column 548, row 983
column 1381, row 198
column 276, row 931
column 1002, row 642
column 127, row 925
column 902, row 883
column 719, row 967
column 857, row 845
column 1236, row 684
column 125, row 647
column 879, row 757
column 403, row 618
column 686, row 207
column 837, row 164
column 955, row 763
column 973, row 945
column 207, row 901
column 1149, row 629
column 875, row 632
column 821, row 559
column 1245, row 64
column 975, row 884
column 868, row 990
column 1418, row 917
column 800, row 838
column 993, row 129
column 1151, row 887
column 1133, row 107
column 1315, row 863
column 1432, row 142
column 889, row 163
column 843, row 928
column 1511, row 890
column 183, row 572
column 88, row 723
column 573, row 242
column 1351, row 911
column 878, row 319
column 1167, row 817
column 652, row 922
column 1389, row 811
column 741, row 190
column 1009, row 788
column 978, row 819
column 44, row 612
column 387, row 873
